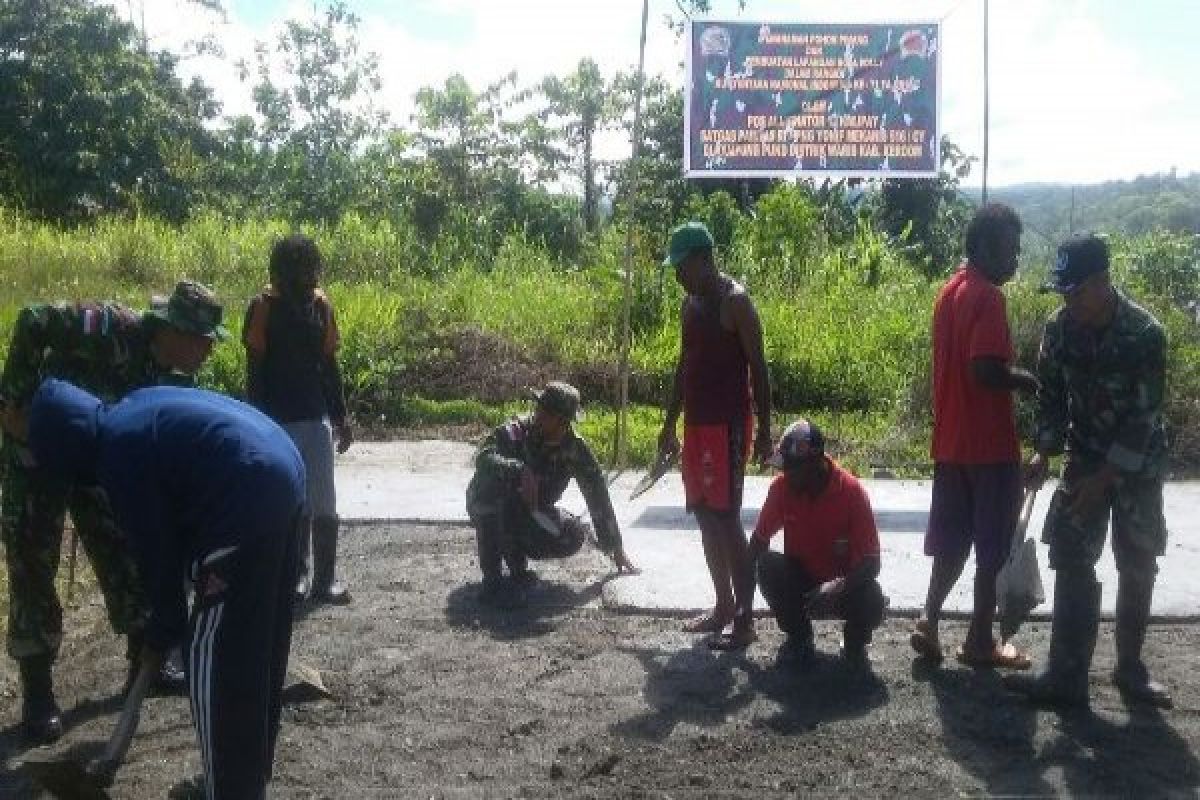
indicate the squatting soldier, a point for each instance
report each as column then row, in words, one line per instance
column 521, row 471
column 1102, row 372
column 111, row 350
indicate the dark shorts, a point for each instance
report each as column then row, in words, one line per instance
column 713, row 465
column 974, row 504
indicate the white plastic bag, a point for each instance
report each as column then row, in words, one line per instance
column 1019, row 587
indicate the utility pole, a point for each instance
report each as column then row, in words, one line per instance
column 986, row 101
column 622, row 449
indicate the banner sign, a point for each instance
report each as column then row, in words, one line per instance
column 773, row 100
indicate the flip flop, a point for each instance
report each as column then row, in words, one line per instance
column 734, row 640
column 1001, row 657
column 705, row 623
column 925, row 643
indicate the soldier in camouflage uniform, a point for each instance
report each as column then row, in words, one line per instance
column 110, row 350
column 521, row 471
column 1102, row 371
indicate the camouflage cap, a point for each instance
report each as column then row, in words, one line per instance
column 192, row 308
column 559, row 398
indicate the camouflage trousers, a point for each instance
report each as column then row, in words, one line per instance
column 32, row 512
column 516, row 535
column 1135, row 507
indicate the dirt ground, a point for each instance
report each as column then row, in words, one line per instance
column 436, row 697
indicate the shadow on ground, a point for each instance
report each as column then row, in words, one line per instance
column 547, row 602
column 995, row 736
column 700, row 687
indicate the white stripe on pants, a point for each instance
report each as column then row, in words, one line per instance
column 200, row 684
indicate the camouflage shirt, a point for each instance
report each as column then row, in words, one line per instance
column 515, row 445
column 102, row 347
column 1102, row 390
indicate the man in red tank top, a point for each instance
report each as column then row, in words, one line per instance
column 721, row 366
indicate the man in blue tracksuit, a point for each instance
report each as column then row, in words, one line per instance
column 208, row 488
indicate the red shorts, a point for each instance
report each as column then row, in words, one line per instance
column 713, row 464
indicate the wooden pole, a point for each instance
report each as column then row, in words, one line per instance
column 626, row 334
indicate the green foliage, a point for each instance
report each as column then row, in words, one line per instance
column 929, row 213
column 847, row 348
column 583, row 103
column 315, row 119
column 1162, row 264
column 89, row 121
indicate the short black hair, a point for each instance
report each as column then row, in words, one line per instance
column 987, row 226
column 292, row 253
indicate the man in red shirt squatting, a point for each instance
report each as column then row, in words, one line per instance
column 830, row 559
column 721, row 358
column 976, row 452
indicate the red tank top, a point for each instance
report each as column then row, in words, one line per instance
column 716, row 381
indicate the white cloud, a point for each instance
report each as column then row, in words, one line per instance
column 1069, row 101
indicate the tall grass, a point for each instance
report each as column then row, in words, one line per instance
column 846, row 331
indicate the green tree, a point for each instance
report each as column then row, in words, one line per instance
column 929, row 213
column 581, row 105
column 315, row 122
column 90, row 121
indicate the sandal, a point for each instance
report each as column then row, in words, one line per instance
column 705, row 623
column 925, row 642
column 1002, row 656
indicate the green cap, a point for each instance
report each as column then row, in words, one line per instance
column 192, row 308
column 687, row 237
column 561, row 399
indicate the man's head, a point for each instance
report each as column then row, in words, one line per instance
column 993, row 242
column 185, row 327
column 296, row 266
column 800, row 453
column 1080, row 275
column 64, row 431
column 556, row 407
column 690, row 252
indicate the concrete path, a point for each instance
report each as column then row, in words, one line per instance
column 426, row 481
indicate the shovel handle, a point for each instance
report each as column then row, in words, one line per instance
column 1026, row 513
column 105, row 767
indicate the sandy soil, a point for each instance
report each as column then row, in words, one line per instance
column 436, row 697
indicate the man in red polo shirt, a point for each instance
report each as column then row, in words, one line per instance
column 976, row 453
column 830, row 559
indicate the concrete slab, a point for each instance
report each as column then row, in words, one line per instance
column 426, row 481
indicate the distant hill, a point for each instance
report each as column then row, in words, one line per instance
column 1052, row 211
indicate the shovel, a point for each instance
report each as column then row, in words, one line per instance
column 67, row 778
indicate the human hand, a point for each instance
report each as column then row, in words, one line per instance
column 529, row 487
column 1036, row 471
column 764, row 445
column 14, row 420
column 345, row 436
column 822, row 598
column 1089, row 492
column 622, row 562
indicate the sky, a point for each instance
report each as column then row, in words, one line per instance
column 1082, row 91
